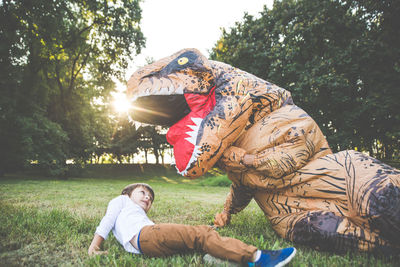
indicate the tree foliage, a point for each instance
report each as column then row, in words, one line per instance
column 125, row 140
column 340, row 60
column 57, row 63
column 129, row 139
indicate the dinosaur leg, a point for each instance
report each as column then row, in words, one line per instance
column 338, row 202
column 320, row 223
column 324, row 230
column 384, row 212
column 374, row 194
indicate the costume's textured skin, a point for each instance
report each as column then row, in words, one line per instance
column 339, row 201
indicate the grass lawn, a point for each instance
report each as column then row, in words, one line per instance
column 50, row 222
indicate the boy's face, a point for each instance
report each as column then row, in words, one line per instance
column 141, row 196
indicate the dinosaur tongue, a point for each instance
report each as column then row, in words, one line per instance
column 183, row 134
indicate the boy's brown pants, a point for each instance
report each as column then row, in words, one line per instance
column 167, row 239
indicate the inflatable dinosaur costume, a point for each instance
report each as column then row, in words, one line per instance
column 218, row 114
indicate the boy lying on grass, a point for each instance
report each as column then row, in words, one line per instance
column 126, row 217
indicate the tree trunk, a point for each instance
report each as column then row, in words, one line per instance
column 157, row 155
column 163, row 156
column 145, row 155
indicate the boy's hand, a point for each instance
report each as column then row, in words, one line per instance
column 222, row 219
column 96, row 251
column 94, row 248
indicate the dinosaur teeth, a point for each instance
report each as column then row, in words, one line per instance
column 164, row 91
column 195, row 129
column 192, row 139
column 179, row 90
column 197, row 121
column 193, row 158
column 170, row 90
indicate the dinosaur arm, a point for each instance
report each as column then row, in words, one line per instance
column 277, row 146
column 293, row 154
column 284, row 159
column 274, row 162
column 237, row 199
column 233, row 159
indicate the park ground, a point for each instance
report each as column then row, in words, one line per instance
column 50, row 222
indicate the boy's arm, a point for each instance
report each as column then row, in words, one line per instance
column 94, row 248
column 105, row 226
column 107, row 223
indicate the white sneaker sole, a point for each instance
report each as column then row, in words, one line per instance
column 216, row 262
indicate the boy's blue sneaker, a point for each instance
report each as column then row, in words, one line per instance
column 275, row 258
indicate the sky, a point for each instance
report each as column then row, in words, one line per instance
column 171, row 25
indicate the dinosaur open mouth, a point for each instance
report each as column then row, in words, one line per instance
column 184, row 115
column 165, row 110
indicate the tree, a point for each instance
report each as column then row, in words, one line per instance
column 57, row 63
column 340, row 60
column 152, row 139
column 125, row 140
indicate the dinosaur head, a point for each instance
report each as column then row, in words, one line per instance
column 205, row 103
column 158, row 90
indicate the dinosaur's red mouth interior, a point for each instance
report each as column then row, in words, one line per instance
column 183, row 134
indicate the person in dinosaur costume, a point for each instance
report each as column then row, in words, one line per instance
column 272, row 150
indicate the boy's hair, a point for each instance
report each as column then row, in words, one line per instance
column 129, row 188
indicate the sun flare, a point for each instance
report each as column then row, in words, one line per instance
column 121, row 103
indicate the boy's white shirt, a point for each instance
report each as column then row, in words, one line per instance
column 125, row 218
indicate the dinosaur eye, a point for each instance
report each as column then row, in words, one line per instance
column 183, row 60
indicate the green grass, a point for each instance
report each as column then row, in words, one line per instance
column 50, row 222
